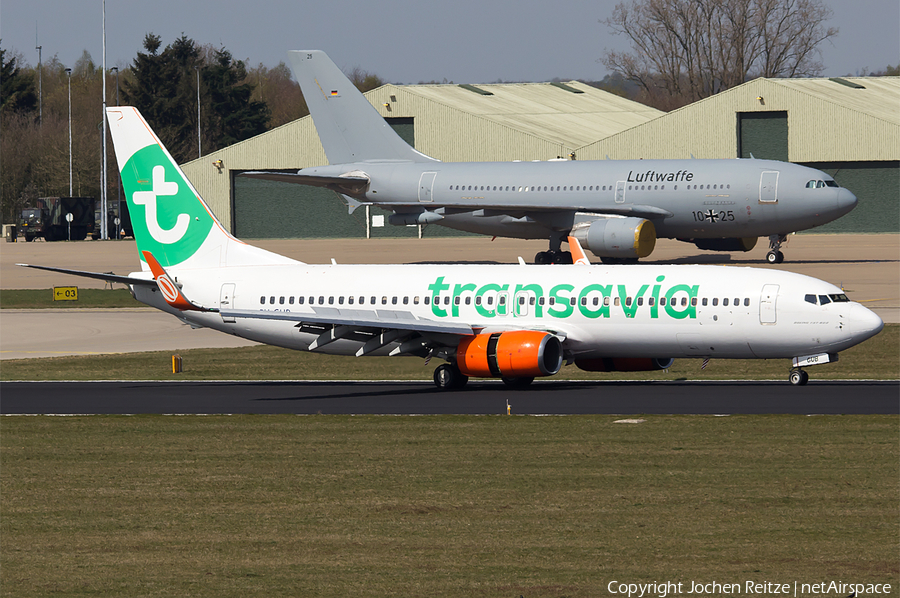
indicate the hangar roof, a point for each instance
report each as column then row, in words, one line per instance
column 571, row 113
column 829, row 120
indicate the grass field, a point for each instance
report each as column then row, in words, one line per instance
column 489, row 506
column 878, row 358
column 43, row 299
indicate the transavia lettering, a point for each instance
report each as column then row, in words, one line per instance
column 656, row 298
column 651, row 176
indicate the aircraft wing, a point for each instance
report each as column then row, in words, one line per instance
column 374, row 328
column 107, row 276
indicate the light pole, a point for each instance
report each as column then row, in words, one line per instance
column 104, row 209
column 69, row 73
column 199, row 148
column 40, row 88
column 118, row 178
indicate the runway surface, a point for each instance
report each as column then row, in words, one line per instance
column 480, row 397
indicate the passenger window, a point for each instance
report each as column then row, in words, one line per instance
column 705, row 301
column 662, row 300
column 321, row 299
column 281, row 300
column 617, row 302
column 746, row 301
column 684, row 302
column 341, row 300
column 416, row 300
column 521, row 300
column 291, row 300
column 262, row 300
column 447, row 300
column 427, row 300
column 606, row 301
column 596, row 301
column 640, row 301
column 725, row 302
column 584, row 300
column 406, row 301
column 552, row 300
column 272, row 300
column 373, row 300
column 478, row 300
column 501, row 300
column 331, row 300
column 490, row 300
column 715, row 301
column 540, row 300
column 627, row 301
column 384, row 300
column 456, row 300
column 393, row 301
column 531, row 301
column 737, row 302
column 300, row 300
column 350, row 300
column 693, row 301
column 468, row 301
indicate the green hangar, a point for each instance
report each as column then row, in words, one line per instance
column 848, row 127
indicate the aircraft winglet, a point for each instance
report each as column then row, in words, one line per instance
column 170, row 291
column 578, row 256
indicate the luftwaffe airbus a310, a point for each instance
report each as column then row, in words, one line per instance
column 514, row 322
column 615, row 208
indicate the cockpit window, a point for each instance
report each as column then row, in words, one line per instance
column 826, row 299
column 831, row 183
column 811, row 185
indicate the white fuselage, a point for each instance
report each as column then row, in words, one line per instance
column 598, row 311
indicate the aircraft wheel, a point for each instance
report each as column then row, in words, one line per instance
column 447, row 376
column 563, row 257
column 779, row 257
column 798, row 377
column 772, row 257
column 543, row 257
column 517, row 382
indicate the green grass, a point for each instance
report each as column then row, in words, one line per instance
column 446, row 506
column 43, row 299
column 877, row 359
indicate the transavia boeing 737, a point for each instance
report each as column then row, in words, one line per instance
column 615, row 208
column 514, row 322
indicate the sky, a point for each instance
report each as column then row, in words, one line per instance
column 401, row 41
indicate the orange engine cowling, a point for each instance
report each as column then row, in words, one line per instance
column 512, row 354
column 624, row 364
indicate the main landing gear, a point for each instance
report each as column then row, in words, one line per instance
column 554, row 255
column 798, row 377
column 447, row 376
column 775, row 256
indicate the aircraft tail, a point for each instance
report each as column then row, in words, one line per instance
column 169, row 218
column 349, row 127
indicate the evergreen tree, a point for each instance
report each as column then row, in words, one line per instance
column 234, row 116
column 17, row 90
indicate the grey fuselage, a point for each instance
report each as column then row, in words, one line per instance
column 685, row 199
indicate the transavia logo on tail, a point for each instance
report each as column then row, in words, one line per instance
column 168, row 219
column 148, row 199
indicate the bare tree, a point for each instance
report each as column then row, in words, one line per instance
column 685, row 50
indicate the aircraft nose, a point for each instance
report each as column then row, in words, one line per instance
column 864, row 322
column 846, row 201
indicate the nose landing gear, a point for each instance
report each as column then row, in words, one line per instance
column 775, row 256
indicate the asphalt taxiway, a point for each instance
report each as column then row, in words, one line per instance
column 479, row 397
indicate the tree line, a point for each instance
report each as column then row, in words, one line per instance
column 236, row 103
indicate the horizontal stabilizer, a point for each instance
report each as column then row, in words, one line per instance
column 107, row 276
column 352, row 185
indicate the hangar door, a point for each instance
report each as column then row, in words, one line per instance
column 763, row 134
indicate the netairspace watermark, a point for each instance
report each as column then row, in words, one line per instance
column 796, row 589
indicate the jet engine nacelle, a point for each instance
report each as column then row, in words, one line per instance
column 743, row 244
column 511, row 354
column 624, row 364
column 618, row 237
